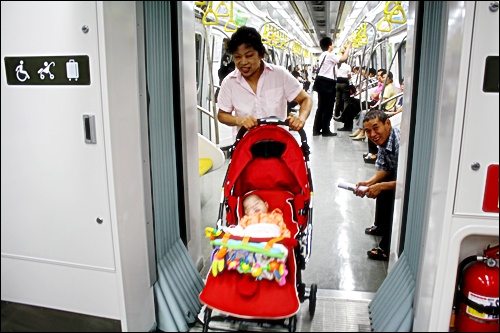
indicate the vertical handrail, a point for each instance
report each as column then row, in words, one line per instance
column 366, row 65
column 211, row 86
column 369, row 58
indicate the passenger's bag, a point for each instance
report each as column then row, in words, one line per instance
column 324, row 85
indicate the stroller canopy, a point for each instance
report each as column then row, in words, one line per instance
column 267, row 157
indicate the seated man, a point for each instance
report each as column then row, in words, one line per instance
column 356, row 106
column 382, row 185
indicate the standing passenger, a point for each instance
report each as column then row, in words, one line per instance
column 326, row 98
column 256, row 89
column 342, row 89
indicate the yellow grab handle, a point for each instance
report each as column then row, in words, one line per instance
column 222, row 5
column 386, row 28
column 230, row 21
column 398, row 9
column 227, row 28
column 210, row 11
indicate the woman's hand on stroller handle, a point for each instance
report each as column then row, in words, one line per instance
column 295, row 123
column 247, row 122
column 275, row 121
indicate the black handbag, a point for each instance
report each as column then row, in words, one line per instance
column 323, row 84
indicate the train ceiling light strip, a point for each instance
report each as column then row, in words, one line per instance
column 304, row 23
column 270, row 18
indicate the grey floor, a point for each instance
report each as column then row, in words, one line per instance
column 347, row 280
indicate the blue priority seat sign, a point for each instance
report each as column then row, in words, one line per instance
column 48, row 70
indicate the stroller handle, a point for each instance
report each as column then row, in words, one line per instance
column 275, row 121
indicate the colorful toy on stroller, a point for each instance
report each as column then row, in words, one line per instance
column 256, row 277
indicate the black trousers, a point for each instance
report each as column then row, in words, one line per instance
column 324, row 113
column 342, row 96
column 372, row 148
column 350, row 111
column 384, row 211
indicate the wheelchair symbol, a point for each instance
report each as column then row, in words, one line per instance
column 46, row 70
column 21, row 74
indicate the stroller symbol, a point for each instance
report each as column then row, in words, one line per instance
column 46, row 70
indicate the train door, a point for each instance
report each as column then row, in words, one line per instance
column 56, row 219
column 463, row 206
column 73, row 214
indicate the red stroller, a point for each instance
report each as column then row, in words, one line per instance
column 267, row 161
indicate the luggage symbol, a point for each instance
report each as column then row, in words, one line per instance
column 72, row 70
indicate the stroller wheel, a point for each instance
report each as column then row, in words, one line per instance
column 312, row 299
column 206, row 319
column 292, row 324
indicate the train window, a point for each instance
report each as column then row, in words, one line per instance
column 374, row 63
column 269, row 56
column 199, row 60
column 401, row 61
column 490, row 82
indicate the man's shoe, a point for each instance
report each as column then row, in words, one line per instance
column 316, row 133
column 339, row 119
column 377, row 254
column 373, row 230
column 329, row 134
column 344, row 129
column 370, row 160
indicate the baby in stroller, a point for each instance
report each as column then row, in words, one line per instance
column 258, row 222
column 257, row 258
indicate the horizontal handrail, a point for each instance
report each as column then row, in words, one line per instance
column 205, row 111
column 391, row 98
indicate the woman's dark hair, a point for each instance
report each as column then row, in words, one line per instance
column 248, row 36
column 390, row 75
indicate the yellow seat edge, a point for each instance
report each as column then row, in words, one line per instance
column 205, row 165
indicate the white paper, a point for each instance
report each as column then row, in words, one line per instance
column 351, row 186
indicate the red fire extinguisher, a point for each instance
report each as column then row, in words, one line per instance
column 476, row 297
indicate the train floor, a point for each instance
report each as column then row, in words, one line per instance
column 345, row 277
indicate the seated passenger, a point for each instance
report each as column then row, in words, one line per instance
column 350, row 112
column 382, row 185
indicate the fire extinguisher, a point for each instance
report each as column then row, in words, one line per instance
column 476, row 294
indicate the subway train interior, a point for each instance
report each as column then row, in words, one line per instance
column 118, row 181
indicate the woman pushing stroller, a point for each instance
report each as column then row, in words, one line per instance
column 256, row 89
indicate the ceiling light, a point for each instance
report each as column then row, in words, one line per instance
column 283, row 13
column 360, row 4
column 275, row 4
